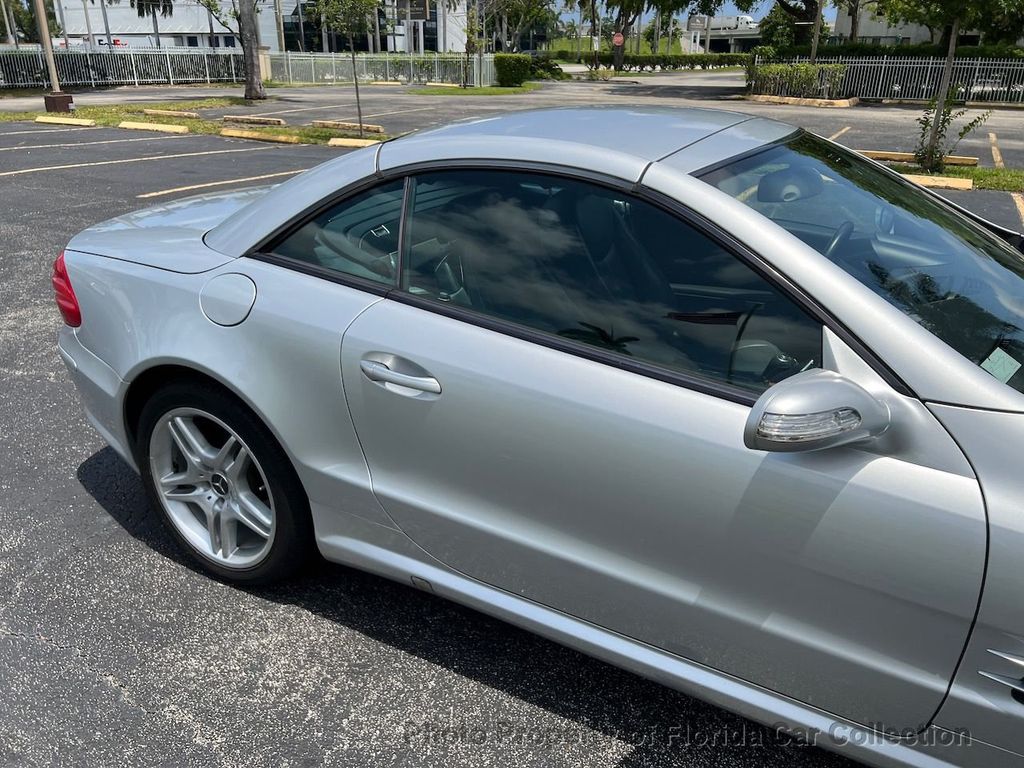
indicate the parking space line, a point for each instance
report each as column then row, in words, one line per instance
column 300, row 109
column 80, row 129
column 353, row 118
column 90, row 143
column 837, row 134
column 208, row 184
column 1018, row 200
column 997, row 156
column 131, row 160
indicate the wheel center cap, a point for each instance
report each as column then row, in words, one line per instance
column 220, row 485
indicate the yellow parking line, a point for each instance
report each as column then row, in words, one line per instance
column 997, row 156
column 130, row 160
column 88, row 143
column 219, row 183
column 837, row 134
column 1018, row 199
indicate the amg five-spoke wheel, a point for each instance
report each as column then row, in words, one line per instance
column 227, row 491
column 212, row 488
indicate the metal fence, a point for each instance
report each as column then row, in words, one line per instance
column 889, row 77
column 127, row 66
column 455, row 68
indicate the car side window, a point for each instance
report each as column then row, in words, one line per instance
column 358, row 236
column 584, row 262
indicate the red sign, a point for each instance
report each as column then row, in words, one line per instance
column 618, row 39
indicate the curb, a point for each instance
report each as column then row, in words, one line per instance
column 386, row 82
column 829, row 103
column 160, row 127
column 352, row 142
column 908, row 157
column 347, row 126
column 280, row 138
column 170, row 113
column 79, row 121
column 253, row 120
column 939, row 182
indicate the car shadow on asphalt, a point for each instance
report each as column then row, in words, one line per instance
column 664, row 727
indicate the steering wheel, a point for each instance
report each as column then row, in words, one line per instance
column 839, row 238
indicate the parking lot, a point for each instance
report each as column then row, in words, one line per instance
column 115, row 651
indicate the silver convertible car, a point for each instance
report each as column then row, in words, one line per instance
column 700, row 394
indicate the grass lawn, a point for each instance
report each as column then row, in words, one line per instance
column 487, row 90
column 111, row 115
column 999, row 179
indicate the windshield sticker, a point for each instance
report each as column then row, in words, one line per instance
column 1000, row 365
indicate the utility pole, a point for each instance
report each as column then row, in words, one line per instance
column 302, row 29
column 817, row 32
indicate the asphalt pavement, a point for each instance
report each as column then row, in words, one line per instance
column 114, row 650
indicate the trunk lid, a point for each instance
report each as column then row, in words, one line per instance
column 167, row 236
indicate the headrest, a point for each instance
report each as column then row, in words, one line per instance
column 789, row 185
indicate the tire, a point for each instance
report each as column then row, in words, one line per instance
column 250, row 481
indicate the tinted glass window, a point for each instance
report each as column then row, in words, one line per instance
column 583, row 262
column 358, row 236
column 960, row 282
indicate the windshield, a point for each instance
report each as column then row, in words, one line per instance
column 958, row 281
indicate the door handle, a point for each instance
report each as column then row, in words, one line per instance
column 379, row 372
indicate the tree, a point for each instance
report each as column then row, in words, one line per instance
column 352, row 19
column 777, row 29
column 241, row 20
column 625, row 14
column 153, row 9
column 855, row 8
column 951, row 16
column 25, row 22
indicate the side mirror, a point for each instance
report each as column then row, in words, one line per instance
column 814, row 410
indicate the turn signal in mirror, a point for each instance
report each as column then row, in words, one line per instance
column 785, row 428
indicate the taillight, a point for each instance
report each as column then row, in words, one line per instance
column 67, row 302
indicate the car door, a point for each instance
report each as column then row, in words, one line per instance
column 553, row 403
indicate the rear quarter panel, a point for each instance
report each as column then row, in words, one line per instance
column 283, row 360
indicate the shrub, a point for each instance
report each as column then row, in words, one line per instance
column 808, row 81
column 934, row 158
column 512, row 69
column 543, row 67
column 649, row 62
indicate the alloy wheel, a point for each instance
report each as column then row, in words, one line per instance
column 212, row 488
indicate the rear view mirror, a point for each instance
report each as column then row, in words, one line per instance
column 814, row 410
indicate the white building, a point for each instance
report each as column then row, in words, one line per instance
column 877, row 30
column 192, row 25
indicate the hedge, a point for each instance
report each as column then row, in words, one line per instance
column 664, row 61
column 806, row 81
column 512, row 69
column 923, row 50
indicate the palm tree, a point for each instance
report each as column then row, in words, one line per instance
column 153, row 8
